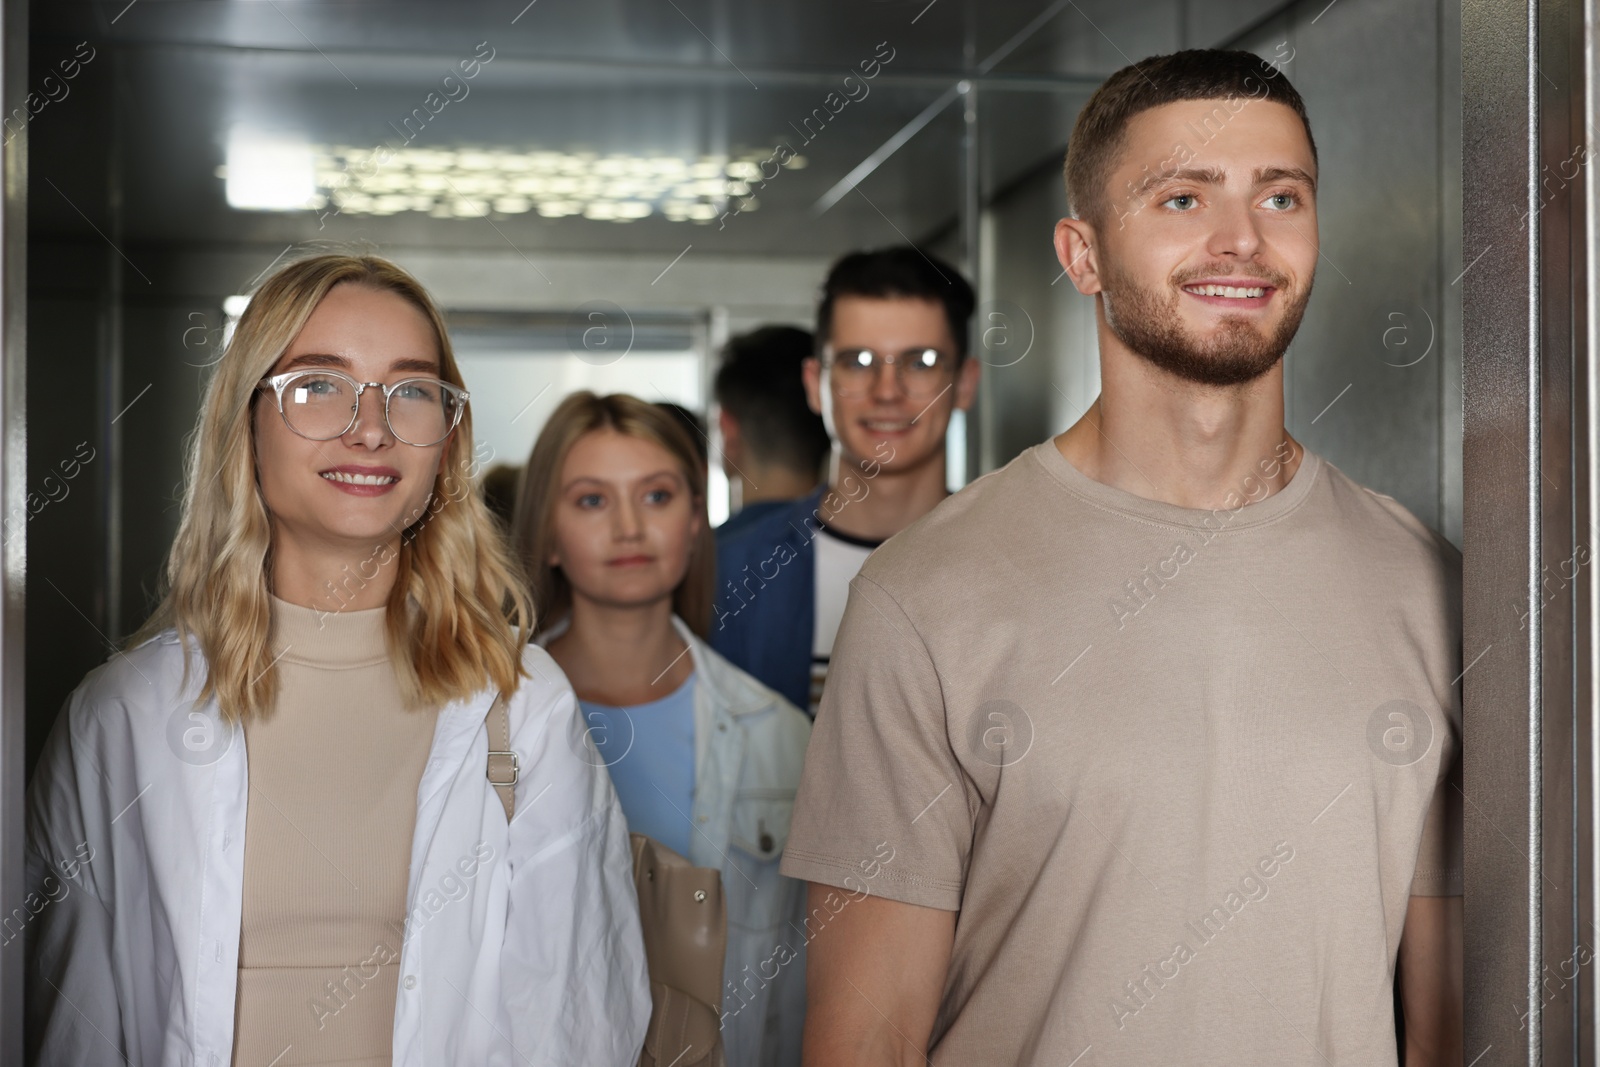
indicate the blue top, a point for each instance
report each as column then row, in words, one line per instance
column 649, row 749
column 765, row 608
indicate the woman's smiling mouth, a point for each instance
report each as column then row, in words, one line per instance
column 362, row 481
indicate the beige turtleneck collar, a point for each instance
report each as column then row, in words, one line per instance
column 328, row 639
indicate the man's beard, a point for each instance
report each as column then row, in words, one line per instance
column 1237, row 353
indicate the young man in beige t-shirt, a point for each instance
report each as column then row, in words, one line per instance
column 1142, row 748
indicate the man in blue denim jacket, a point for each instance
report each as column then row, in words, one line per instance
column 890, row 370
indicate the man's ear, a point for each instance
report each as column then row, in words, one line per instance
column 732, row 437
column 1077, row 252
column 811, row 374
column 967, row 383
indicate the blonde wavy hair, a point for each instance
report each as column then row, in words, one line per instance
column 533, row 522
column 472, row 612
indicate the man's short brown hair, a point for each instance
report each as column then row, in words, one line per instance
column 1193, row 74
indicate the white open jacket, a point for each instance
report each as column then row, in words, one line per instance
column 538, row 961
column 749, row 744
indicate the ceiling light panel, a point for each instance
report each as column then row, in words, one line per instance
column 471, row 182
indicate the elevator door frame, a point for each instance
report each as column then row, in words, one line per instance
column 1530, row 653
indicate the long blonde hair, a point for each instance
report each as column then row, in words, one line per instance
column 533, row 524
column 473, row 612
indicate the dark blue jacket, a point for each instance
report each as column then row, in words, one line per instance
column 748, row 514
column 765, row 607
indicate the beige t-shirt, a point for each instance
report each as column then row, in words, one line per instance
column 1179, row 770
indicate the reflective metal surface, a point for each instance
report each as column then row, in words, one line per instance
column 13, row 487
column 1530, row 596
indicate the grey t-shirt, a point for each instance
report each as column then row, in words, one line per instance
column 1179, row 770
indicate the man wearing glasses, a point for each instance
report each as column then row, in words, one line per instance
column 891, row 368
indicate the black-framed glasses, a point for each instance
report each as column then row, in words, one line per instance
column 920, row 371
column 322, row 404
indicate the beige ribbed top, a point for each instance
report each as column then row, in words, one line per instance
column 334, row 770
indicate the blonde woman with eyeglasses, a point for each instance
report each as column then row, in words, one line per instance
column 267, row 831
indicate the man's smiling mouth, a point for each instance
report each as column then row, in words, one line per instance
column 1232, row 292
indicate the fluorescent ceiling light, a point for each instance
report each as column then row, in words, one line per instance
column 474, row 182
column 269, row 172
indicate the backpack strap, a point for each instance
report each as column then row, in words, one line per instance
column 503, row 767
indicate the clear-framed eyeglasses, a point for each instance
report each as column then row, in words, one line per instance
column 921, row 372
column 322, row 404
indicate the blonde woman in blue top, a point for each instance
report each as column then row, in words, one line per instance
column 611, row 524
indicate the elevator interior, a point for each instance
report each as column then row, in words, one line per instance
column 670, row 173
